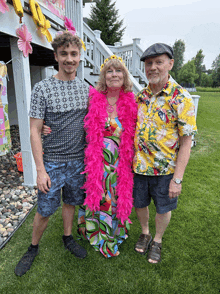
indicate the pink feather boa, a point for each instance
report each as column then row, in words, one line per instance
column 95, row 124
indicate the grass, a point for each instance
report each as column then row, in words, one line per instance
column 190, row 254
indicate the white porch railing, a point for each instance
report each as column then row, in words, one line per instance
column 97, row 51
column 131, row 55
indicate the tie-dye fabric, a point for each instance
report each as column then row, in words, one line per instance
column 103, row 230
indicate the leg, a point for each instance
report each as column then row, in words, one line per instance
column 69, row 243
column 47, row 205
column 145, row 238
column 72, row 195
column 142, row 200
column 143, row 217
column 40, row 224
column 162, row 221
column 164, row 205
column 68, row 215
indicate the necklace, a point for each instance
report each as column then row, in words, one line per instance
column 110, row 107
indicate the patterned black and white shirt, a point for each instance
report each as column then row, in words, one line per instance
column 63, row 106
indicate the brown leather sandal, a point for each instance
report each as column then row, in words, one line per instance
column 143, row 243
column 155, row 252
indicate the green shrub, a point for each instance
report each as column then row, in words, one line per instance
column 207, row 89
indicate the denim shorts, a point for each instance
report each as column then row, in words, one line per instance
column 155, row 187
column 65, row 176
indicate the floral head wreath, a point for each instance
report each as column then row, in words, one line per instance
column 110, row 58
column 71, row 29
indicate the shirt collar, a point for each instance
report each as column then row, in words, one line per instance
column 147, row 93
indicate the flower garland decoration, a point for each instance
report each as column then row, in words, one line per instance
column 70, row 27
column 112, row 57
column 24, row 40
column 39, row 19
column 3, row 6
column 18, row 9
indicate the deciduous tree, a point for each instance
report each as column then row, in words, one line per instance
column 206, row 80
column 216, row 72
column 187, row 73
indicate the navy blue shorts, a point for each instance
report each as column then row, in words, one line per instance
column 65, row 176
column 155, row 187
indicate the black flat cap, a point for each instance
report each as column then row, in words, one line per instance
column 156, row 50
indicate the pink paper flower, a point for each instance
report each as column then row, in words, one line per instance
column 3, row 6
column 69, row 25
column 24, row 40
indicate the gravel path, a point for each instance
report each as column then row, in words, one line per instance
column 16, row 201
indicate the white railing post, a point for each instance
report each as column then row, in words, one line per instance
column 135, row 59
column 74, row 11
column 79, row 12
column 96, row 56
column 196, row 102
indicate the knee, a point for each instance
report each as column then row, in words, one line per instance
column 40, row 217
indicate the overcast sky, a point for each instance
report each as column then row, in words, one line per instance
column 197, row 22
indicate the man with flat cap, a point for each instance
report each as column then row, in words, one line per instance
column 165, row 126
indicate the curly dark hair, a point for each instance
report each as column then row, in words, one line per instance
column 64, row 39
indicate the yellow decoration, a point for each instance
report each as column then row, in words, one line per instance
column 18, row 9
column 3, row 70
column 44, row 29
column 40, row 20
column 37, row 14
column 112, row 57
column 83, row 45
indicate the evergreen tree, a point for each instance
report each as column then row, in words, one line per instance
column 198, row 59
column 178, row 52
column 104, row 17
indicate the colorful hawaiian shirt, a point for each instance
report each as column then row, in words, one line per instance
column 162, row 118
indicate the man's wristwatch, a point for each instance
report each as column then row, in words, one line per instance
column 177, row 181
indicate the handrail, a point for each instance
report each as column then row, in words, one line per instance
column 131, row 54
column 97, row 51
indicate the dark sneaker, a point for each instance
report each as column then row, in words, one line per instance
column 71, row 245
column 26, row 261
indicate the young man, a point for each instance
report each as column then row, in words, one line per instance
column 60, row 101
column 165, row 125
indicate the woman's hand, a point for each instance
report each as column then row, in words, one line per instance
column 46, row 130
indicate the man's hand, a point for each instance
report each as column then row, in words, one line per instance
column 174, row 189
column 43, row 182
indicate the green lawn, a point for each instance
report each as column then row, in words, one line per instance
column 191, row 250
